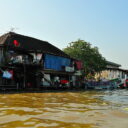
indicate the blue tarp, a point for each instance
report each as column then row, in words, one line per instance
column 55, row 62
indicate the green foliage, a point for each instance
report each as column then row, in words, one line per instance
column 90, row 56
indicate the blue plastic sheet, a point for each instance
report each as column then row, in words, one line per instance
column 55, row 62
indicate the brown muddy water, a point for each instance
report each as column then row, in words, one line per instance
column 82, row 109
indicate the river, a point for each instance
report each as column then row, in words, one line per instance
column 81, row 109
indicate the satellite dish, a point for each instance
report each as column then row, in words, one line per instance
column 13, row 29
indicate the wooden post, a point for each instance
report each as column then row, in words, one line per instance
column 24, row 83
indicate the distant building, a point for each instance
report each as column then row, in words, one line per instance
column 113, row 71
column 113, row 65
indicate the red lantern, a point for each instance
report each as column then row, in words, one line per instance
column 16, row 43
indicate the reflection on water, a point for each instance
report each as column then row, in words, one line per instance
column 89, row 109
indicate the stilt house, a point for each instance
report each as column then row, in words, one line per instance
column 26, row 62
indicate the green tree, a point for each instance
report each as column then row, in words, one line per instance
column 92, row 60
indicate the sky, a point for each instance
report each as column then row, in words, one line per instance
column 103, row 23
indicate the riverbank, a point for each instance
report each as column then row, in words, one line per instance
column 42, row 91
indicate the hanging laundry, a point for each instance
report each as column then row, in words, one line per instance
column 79, row 65
column 7, row 75
column 12, row 73
column 64, row 81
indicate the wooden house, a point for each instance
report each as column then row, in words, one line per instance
column 26, row 62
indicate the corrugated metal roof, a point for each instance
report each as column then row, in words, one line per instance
column 30, row 44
